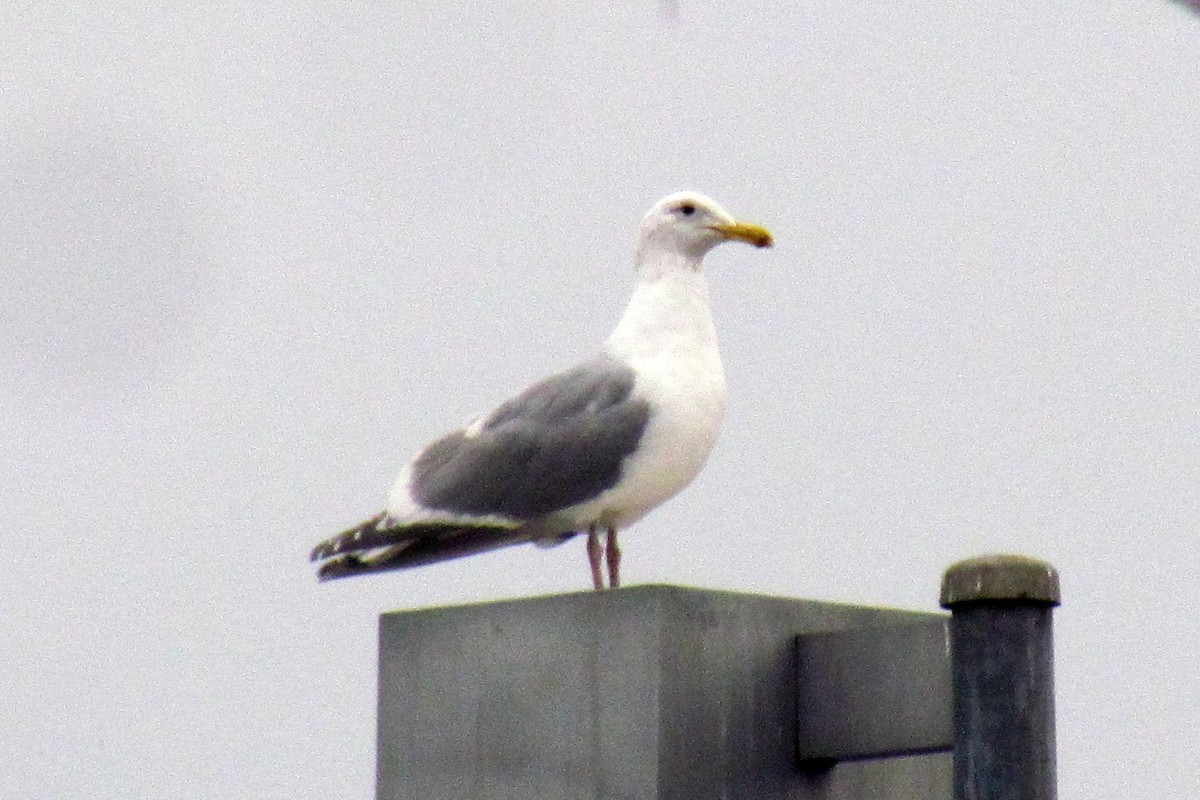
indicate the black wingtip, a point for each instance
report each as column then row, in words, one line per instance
column 327, row 549
column 423, row 544
column 338, row 568
column 360, row 537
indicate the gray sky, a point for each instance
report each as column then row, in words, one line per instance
column 253, row 258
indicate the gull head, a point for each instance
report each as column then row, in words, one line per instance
column 687, row 225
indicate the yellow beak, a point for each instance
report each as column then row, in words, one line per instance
column 745, row 232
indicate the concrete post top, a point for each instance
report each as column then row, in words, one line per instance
column 1000, row 577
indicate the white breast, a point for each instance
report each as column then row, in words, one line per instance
column 667, row 336
column 688, row 402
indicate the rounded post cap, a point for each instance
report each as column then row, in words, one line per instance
column 1000, row 577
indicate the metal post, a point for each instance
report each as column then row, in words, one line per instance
column 1001, row 646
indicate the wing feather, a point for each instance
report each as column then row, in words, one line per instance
column 560, row 442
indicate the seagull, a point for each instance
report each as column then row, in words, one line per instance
column 589, row 450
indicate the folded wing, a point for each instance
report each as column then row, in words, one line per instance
column 506, row 478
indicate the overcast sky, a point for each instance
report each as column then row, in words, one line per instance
column 253, row 258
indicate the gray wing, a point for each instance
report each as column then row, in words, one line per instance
column 560, row 442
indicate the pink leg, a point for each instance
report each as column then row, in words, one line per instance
column 614, row 559
column 594, row 555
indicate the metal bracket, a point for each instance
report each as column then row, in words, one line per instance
column 874, row 692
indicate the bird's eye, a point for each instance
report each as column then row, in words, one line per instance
column 687, row 209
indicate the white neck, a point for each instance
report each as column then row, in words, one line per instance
column 669, row 311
